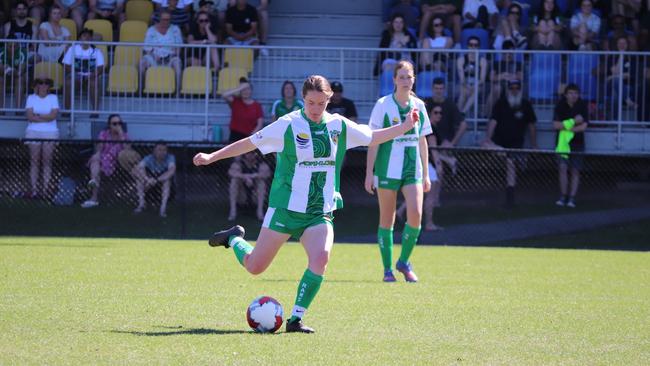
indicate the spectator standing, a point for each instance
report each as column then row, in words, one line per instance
column 339, row 104
column 547, row 28
column 246, row 116
column 88, row 66
column 585, row 27
column 480, row 14
column 445, row 9
column 248, row 173
column 241, row 24
column 203, row 32
column 155, row 171
column 159, row 51
column 13, row 63
column 52, row 30
column 436, row 61
column 288, row 103
column 395, row 36
column 104, row 160
column 570, row 119
column 469, row 78
column 73, row 9
column 42, row 109
column 511, row 116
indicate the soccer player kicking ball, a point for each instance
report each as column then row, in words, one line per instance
column 310, row 145
column 399, row 164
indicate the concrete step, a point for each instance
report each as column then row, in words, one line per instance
column 298, row 69
column 361, row 7
column 293, row 39
column 325, row 24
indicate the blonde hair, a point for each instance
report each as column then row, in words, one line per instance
column 403, row 64
column 317, row 83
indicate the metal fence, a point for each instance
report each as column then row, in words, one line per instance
column 616, row 85
column 614, row 189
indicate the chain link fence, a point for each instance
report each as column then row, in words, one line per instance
column 614, row 190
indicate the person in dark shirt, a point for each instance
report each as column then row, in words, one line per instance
column 241, row 24
column 570, row 120
column 340, row 105
column 512, row 115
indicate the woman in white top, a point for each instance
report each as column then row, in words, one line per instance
column 41, row 111
column 52, row 30
column 158, row 52
column 436, row 40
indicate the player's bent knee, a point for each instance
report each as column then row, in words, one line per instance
column 318, row 262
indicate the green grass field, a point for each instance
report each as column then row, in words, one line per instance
column 123, row 301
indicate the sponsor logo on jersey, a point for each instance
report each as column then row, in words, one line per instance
column 334, row 135
column 302, row 140
column 317, row 163
column 406, row 139
column 395, row 121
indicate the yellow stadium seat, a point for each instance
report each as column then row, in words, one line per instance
column 139, row 10
column 195, row 81
column 50, row 70
column 239, row 57
column 229, row 78
column 127, row 55
column 71, row 26
column 123, row 79
column 102, row 27
column 133, row 31
column 160, row 80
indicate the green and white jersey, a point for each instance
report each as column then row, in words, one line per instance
column 309, row 160
column 399, row 158
column 279, row 108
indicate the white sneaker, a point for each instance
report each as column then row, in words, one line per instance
column 560, row 202
column 90, row 204
column 571, row 203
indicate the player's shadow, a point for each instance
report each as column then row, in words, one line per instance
column 179, row 330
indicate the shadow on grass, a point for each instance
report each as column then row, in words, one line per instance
column 181, row 331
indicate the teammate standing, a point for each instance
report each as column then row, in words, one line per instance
column 399, row 164
column 310, row 146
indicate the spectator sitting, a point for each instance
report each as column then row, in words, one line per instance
column 629, row 10
column 394, row 37
column 20, row 27
column 180, row 14
column 104, row 160
column 73, row 9
column 618, row 30
column 436, row 61
column 447, row 10
column 156, row 171
column 41, row 111
column 181, row 4
column 288, row 103
column 480, row 14
column 217, row 13
column 409, row 12
column 36, row 10
column 339, row 104
column 52, row 30
column 111, row 10
column 248, row 173
column 619, row 67
column 203, row 32
column 88, row 65
column 247, row 116
column 158, row 51
column 511, row 116
column 13, row 63
column 241, row 24
column 510, row 29
column 468, row 76
column 262, row 21
column 585, row 27
column 502, row 72
column 547, row 28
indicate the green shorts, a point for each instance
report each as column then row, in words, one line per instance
column 292, row 222
column 395, row 184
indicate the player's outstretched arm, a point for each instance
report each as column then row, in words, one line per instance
column 235, row 149
column 389, row 133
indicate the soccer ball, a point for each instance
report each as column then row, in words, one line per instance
column 264, row 314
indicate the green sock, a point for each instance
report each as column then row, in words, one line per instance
column 409, row 238
column 240, row 247
column 307, row 290
column 385, row 240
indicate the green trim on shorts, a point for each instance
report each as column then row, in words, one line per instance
column 396, row 184
column 294, row 223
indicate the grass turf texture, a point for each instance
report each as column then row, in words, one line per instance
column 89, row 301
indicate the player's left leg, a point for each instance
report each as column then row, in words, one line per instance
column 413, row 195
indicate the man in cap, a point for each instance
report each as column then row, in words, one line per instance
column 339, row 104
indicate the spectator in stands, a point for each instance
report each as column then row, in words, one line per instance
column 104, row 160
column 36, row 10
column 288, row 103
column 20, row 27
column 42, row 109
column 217, row 12
column 339, row 104
column 547, row 28
column 409, row 12
column 447, row 10
column 246, row 116
column 395, row 36
column 52, row 30
column 448, row 130
column 618, row 30
column 13, row 64
column 585, row 27
column 570, row 119
column 155, row 171
column 180, row 14
column 511, row 116
column 248, row 177
column 241, row 24
column 111, row 10
column 181, row 4
column 203, row 32
column 73, row 9
column 263, row 21
column 480, row 14
column 510, row 29
column 469, row 76
column 629, row 10
column 158, row 52
column 643, row 112
column 503, row 71
column 619, row 67
column 436, row 61
column 88, row 66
